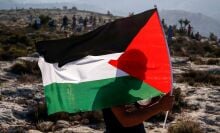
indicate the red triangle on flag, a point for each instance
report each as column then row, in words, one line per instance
column 147, row 57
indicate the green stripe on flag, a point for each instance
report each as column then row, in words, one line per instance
column 94, row 95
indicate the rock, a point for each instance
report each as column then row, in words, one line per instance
column 157, row 130
column 79, row 129
column 204, row 40
column 76, row 122
column 217, row 118
column 35, row 54
column 174, row 38
column 212, row 42
column 186, row 38
column 3, row 79
column 45, row 126
column 85, row 121
column 8, row 92
column 11, row 113
column 34, row 131
column 62, row 124
column 28, row 59
column 25, row 92
column 16, row 129
column 179, row 60
column 69, row 130
column 76, row 118
column 20, row 114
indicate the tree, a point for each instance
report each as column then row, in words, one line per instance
column 65, row 7
column 74, row 8
column 213, row 37
column 181, row 23
column 186, row 22
column 109, row 13
column 163, row 23
column 44, row 19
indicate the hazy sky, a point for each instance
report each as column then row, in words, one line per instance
column 207, row 7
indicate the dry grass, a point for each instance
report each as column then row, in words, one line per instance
column 11, row 52
column 184, row 47
column 200, row 77
column 179, row 102
column 27, row 78
column 197, row 60
column 213, row 62
column 178, row 105
column 1, row 97
column 200, row 61
column 39, row 113
column 25, row 67
column 17, row 42
column 185, row 125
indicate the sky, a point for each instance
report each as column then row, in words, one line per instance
column 123, row 7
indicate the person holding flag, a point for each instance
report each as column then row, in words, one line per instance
column 130, row 119
column 120, row 63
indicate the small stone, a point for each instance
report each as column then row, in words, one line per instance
column 76, row 122
column 76, row 118
column 34, row 131
column 62, row 124
column 68, row 130
column 217, row 118
column 85, row 121
column 45, row 126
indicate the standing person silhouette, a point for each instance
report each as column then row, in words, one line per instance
column 128, row 118
column 64, row 23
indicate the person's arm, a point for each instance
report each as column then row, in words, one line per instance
column 128, row 119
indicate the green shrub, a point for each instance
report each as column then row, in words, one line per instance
column 179, row 102
column 213, row 62
column 11, row 52
column 202, row 77
column 28, row 78
column 44, row 19
column 185, row 126
column 197, row 60
column 25, row 67
column 184, row 47
column 15, row 39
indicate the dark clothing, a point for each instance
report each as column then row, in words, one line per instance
column 170, row 34
column 113, row 125
column 65, row 21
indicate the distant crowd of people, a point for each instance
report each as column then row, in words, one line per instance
column 77, row 24
column 189, row 33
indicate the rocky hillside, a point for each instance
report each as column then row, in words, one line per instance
column 196, row 71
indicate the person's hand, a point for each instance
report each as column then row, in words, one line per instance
column 166, row 102
column 130, row 108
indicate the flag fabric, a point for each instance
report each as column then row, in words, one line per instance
column 119, row 63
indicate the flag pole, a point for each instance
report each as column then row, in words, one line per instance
column 171, row 89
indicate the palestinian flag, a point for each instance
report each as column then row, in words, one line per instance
column 119, row 63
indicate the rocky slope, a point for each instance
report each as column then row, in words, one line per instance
column 196, row 70
column 19, row 99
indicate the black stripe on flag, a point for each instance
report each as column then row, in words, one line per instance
column 113, row 37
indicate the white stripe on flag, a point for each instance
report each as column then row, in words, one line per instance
column 89, row 68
